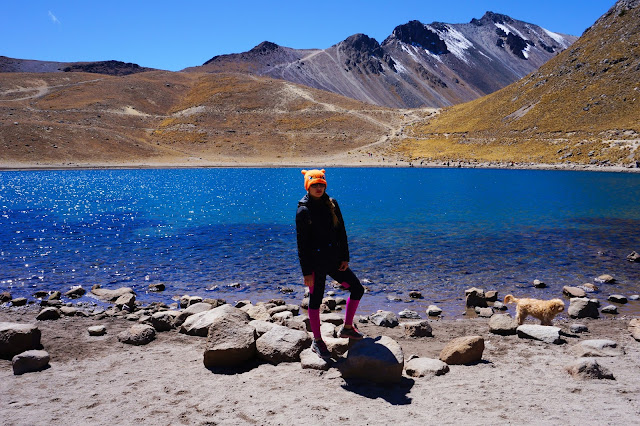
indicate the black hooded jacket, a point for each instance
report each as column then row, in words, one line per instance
column 321, row 245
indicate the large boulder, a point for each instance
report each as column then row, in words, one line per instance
column 282, row 344
column 164, row 320
column 384, row 319
column 139, row 334
column 544, row 333
column 332, row 318
column 463, row 350
column 420, row 367
column 379, row 360
column 570, row 291
column 75, row 292
column 261, row 326
column 257, row 312
column 30, row 361
column 198, row 324
column 588, row 368
column 582, row 307
column 310, row 360
column 475, row 297
column 48, row 314
column 597, row 348
column 16, row 338
column 110, row 295
column 230, row 342
column 417, row 329
column 126, row 302
column 502, row 324
column 195, row 308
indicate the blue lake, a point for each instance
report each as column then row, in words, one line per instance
column 230, row 233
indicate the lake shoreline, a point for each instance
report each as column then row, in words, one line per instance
column 331, row 162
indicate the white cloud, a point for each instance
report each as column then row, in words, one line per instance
column 53, row 18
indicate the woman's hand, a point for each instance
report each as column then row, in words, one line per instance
column 343, row 265
column 308, row 280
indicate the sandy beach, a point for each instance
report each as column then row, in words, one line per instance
column 98, row 380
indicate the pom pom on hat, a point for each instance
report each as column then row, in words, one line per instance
column 313, row 176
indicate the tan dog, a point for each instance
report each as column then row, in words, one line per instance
column 544, row 310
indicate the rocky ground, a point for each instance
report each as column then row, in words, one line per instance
column 100, row 380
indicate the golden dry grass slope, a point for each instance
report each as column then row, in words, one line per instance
column 583, row 106
column 165, row 118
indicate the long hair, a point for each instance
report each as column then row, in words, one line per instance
column 332, row 209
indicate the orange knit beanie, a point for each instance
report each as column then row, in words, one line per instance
column 313, row 176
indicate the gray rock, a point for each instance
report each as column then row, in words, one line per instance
column 606, row 279
column 298, row 323
column 539, row 284
column 282, row 344
column 491, row 295
column 407, row 313
column 138, row 334
column 261, row 326
column 198, row 324
column 5, row 296
column 588, row 287
column 332, row 318
column 434, row 311
column 341, row 301
column 97, row 330
column 392, row 298
column 16, row 338
column 330, row 302
column 502, row 324
column 186, row 300
column 19, row 301
column 633, row 257
column 336, row 345
column 499, row 306
column 258, row 312
column 196, row 308
column 421, row 367
column 126, row 302
column 378, row 360
column 110, row 295
column 597, row 348
column 30, row 361
column 610, row 309
column 164, row 320
column 69, row 311
column 588, row 368
column 384, row 319
column 634, row 328
column 230, row 342
column 282, row 317
column 578, row 328
column 157, row 287
column 415, row 295
column 463, row 350
column 417, row 329
column 56, row 295
column 543, row 333
column 634, row 297
column 310, row 361
column 75, row 292
column 48, row 314
column 475, row 297
column 305, row 303
column 573, row 291
column 484, row 312
column 581, row 307
column 617, row 298
column 327, row 330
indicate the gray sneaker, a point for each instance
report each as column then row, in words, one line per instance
column 351, row 333
column 320, row 348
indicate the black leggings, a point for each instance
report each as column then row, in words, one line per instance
column 347, row 280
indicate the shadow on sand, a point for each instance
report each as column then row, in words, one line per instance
column 393, row 393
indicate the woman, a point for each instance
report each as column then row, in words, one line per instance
column 323, row 250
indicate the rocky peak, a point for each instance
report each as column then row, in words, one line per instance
column 362, row 43
column 490, row 17
column 416, row 33
column 265, row 48
column 364, row 54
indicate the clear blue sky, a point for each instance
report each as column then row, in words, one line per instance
column 173, row 35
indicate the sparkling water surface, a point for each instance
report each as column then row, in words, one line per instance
column 230, row 233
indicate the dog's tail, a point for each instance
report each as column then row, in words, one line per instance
column 510, row 299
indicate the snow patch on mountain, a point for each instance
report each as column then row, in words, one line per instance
column 558, row 38
column 510, row 29
column 455, row 41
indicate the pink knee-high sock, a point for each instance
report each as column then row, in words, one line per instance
column 352, row 306
column 314, row 322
